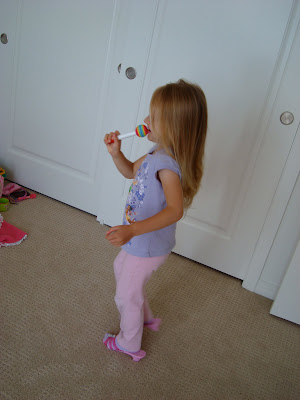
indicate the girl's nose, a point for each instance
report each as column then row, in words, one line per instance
column 147, row 120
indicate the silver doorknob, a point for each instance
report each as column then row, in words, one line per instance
column 4, row 39
column 287, row 118
column 130, row 73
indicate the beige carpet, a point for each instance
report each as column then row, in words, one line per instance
column 217, row 341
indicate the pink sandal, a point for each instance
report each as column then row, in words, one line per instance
column 153, row 324
column 110, row 342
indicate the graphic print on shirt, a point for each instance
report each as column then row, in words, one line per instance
column 136, row 194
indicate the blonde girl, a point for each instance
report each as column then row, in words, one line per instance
column 165, row 181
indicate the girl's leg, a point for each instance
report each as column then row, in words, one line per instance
column 134, row 274
column 149, row 321
column 148, row 316
column 118, row 264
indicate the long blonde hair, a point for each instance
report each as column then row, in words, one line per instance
column 179, row 112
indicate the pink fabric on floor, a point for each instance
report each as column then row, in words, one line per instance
column 10, row 235
column 9, row 188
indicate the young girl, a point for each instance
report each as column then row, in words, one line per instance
column 165, row 183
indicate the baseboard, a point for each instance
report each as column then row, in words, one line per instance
column 266, row 289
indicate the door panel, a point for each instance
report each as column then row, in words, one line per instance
column 65, row 83
column 61, row 53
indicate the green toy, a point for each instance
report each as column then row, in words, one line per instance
column 3, row 201
column 3, row 204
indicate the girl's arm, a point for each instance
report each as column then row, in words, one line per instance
column 173, row 212
column 113, row 145
column 124, row 166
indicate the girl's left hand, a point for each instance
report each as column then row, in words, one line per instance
column 119, row 235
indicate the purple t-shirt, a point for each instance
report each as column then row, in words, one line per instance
column 145, row 199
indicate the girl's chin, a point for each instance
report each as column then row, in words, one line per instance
column 150, row 137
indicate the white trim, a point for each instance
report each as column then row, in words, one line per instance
column 266, row 289
column 287, row 100
column 286, row 304
column 274, row 217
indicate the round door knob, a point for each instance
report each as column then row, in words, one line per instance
column 130, row 73
column 287, row 118
column 4, row 39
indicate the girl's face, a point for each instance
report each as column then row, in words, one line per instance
column 152, row 134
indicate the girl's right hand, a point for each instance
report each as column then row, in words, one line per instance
column 112, row 142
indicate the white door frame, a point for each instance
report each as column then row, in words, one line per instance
column 286, row 304
column 274, row 217
column 288, row 99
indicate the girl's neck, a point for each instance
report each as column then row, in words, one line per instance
column 160, row 147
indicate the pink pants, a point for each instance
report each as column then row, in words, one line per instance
column 132, row 273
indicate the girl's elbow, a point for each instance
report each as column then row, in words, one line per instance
column 175, row 213
column 129, row 176
column 179, row 214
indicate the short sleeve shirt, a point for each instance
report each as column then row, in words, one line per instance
column 145, row 199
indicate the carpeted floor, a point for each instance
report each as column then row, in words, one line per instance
column 218, row 341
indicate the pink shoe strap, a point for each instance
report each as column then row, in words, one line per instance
column 110, row 342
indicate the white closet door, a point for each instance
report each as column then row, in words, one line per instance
column 240, row 69
column 54, row 85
